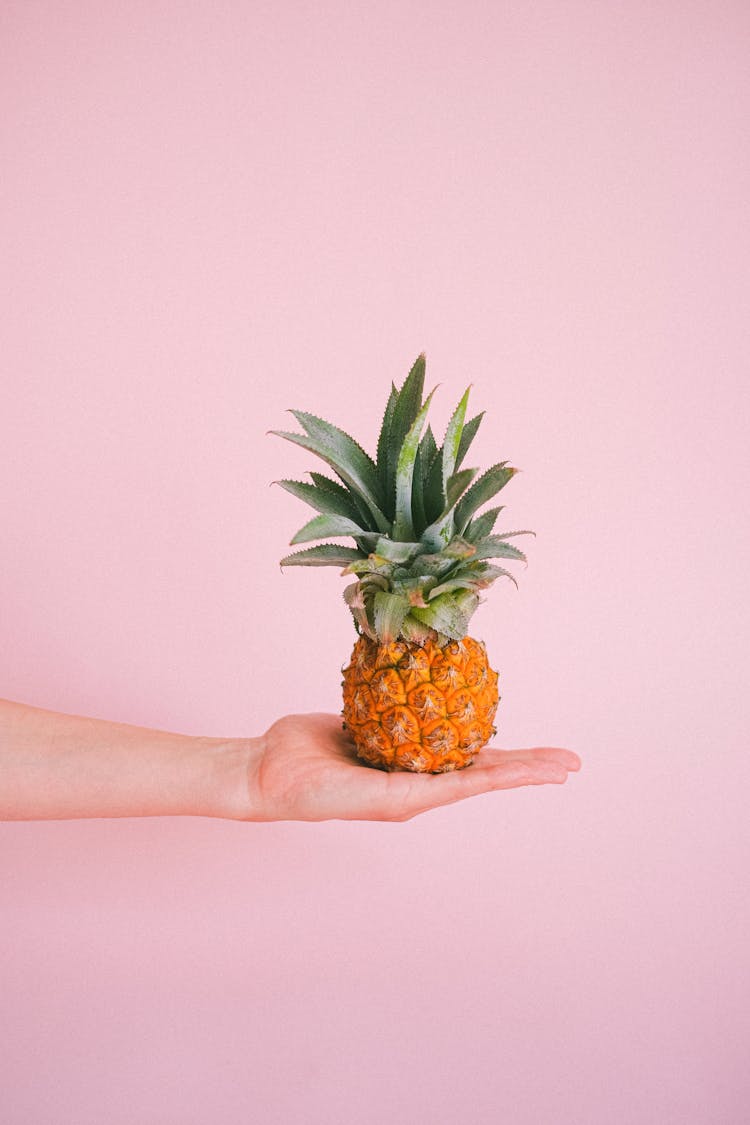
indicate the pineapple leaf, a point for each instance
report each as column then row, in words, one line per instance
column 405, row 411
column 389, row 611
column 459, row 548
column 370, row 565
column 440, row 531
column 482, row 525
column 360, row 510
column 434, row 565
column 457, row 485
column 464, row 582
column 355, row 599
column 481, row 491
column 500, row 572
column 453, row 440
column 403, row 528
column 475, row 576
column 449, row 613
column 395, row 551
column 413, row 631
column 426, row 455
column 324, row 431
column 327, row 554
column 414, row 587
column 493, row 547
column 418, row 518
column 327, row 485
column 383, row 443
column 467, row 437
column 333, row 503
column 327, row 526
column 434, row 497
column 428, row 452
column 344, row 456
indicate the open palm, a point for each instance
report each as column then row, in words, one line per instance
column 306, row 768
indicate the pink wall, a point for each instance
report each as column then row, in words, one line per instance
column 214, row 212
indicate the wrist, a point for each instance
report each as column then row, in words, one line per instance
column 228, row 770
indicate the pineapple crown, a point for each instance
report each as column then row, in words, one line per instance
column 422, row 552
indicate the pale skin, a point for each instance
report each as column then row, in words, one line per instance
column 56, row 766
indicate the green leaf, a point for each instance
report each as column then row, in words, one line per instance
column 445, row 560
column 482, row 525
column 414, row 631
column 481, row 491
column 343, row 454
column 327, row 554
column 396, row 551
column 434, row 497
column 388, row 615
column 453, row 440
column 500, row 572
column 339, row 504
column 435, row 565
column 383, row 443
column 457, row 485
column 343, row 445
column 459, row 548
column 326, row 526
column 414, row 587
column 361, row 512
column 475, row 576
column 460, row 583
column 441, row 530
column 406, row 409
column 493, row 547
column 418, row 518
column 427, row 453
column 325, row 484
column 425, row 457
column 489, row 573
column 467, row 437
column 449, row 613
column 403, row 528
column 371, row 564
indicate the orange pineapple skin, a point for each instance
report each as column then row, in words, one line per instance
column 421, row 708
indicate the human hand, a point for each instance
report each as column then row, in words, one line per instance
column 305, row 767
column 57, row 767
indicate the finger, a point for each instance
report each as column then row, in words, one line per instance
column 510, row 774
column 493, row 756
column 426, row 792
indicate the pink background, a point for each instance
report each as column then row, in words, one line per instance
column 214, row 212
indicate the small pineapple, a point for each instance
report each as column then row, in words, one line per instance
column 419, row 693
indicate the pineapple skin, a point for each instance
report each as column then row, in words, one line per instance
column 424, row 708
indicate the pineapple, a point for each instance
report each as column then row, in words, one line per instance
column 418, row 693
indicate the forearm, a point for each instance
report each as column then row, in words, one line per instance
column 55, row 767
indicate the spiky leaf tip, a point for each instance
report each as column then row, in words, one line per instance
column 403, row 527
column 453, row 440
column 406, row 407
column 327, row 554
